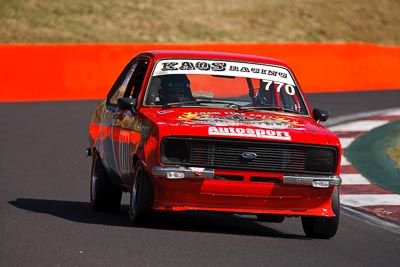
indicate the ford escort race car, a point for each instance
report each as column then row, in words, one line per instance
column 219, row 132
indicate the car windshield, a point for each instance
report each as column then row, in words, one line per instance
column 223, row 84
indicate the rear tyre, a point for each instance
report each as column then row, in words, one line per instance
column 104, row 196
column 323, row 227
column 141, row 197
column 273, row 218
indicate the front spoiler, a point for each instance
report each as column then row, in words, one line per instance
column 177, row 172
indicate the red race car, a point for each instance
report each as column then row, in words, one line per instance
column 219, row 132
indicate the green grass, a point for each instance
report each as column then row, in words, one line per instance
column 190, row 21
column 369, row 155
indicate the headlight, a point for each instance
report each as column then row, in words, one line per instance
column 175, row 151
column 321, row 160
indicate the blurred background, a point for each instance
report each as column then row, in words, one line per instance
column 55, row 51
column 176, row 21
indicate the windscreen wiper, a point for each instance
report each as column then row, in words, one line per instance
column 177, row 104
column 271, row 108
column 201, row 101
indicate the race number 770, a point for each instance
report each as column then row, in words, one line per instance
column 289, row 89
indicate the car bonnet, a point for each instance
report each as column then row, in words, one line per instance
column 268, row 126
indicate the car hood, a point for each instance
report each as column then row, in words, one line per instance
column 268, row 126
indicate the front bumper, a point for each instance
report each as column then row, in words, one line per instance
column 315, row 181
column 172, row 172
column 182, row 188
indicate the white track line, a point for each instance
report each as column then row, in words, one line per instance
column 393, row 113
column 362, row 125
column 353, row 179
column 370, row 200
column 345, row 142
column 344, row 161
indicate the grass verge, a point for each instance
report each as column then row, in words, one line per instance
column 177, row 21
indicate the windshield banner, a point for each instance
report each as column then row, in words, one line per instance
column 223, row 68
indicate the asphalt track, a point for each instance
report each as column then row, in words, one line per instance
column 46, row 219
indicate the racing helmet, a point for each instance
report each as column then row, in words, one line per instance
column 175, row 88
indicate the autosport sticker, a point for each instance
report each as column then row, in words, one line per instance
column 239, row 119
column 228, row 68
column 249, row 132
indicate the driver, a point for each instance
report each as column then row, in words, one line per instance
column 175, row 88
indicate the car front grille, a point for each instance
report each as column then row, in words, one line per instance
column 269, row 156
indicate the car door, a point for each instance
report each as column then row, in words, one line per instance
column 125, row 127
column 111, row 120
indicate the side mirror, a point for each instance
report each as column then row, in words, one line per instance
column 320, row 114
column 127, row 103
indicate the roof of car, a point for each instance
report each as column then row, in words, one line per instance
column 160, row 54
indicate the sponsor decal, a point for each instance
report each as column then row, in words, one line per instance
column 228, row 68
column 249, row 132
column 239, row 119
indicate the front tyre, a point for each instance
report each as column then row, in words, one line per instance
column 141, row 196
column 104, row 196
column 323, row 227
